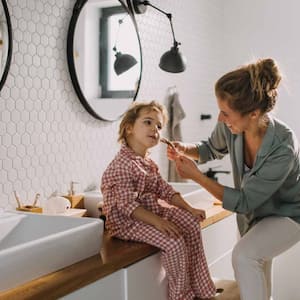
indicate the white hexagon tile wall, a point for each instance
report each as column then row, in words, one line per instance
column 47, row 138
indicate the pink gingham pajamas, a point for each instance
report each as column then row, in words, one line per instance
column 131, row 181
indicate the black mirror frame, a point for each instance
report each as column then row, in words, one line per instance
column 10, row 42
column 70, row 58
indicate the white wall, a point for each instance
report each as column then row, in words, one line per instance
column 47, row 138
column 267, row 29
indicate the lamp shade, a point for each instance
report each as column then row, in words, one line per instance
column 123, row 62
column 173, row 61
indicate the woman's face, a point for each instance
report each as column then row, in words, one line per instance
column 235, row 122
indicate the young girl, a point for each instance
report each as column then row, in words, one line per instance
column 131, row 187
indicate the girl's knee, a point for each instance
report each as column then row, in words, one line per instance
column 192, row 222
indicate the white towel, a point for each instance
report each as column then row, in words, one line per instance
column 176, row 115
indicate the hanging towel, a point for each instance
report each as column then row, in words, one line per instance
column 176, row 115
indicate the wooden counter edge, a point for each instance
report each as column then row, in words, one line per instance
column 78, row 275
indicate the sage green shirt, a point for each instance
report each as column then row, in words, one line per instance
column 272, row 186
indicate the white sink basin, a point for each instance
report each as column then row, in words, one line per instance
column 194, row 194
column 93, row 201
column 200, row 199
column 33, row 245
column 185, row 187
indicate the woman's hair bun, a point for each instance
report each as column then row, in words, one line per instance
column 265, row 78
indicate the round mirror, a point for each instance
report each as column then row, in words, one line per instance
column 5, row 42
column 104, row 57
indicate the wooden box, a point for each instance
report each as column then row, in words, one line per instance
column 76, row 200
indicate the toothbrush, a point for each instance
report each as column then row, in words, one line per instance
column 35, row 199
column 166, row 141
column 17, row 199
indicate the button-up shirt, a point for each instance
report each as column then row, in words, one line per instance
column 272, row 185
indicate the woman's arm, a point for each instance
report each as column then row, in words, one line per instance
column 188, row 169
column 214, row 148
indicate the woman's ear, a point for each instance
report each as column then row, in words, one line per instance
column 255, row 114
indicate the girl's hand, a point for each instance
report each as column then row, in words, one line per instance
column 196, row 212
column 187, row 168
column 179, row 201
column 167, row 227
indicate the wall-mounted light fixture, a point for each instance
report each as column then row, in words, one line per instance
column 171, row 61
column 123, row 62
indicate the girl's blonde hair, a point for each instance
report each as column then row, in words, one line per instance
column 250, row 87
column 133, row 113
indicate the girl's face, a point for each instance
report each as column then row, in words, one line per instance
column 235, row 122
column 145, row 133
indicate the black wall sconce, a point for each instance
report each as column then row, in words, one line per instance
column 171, row 61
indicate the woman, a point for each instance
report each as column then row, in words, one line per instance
column 264, row 154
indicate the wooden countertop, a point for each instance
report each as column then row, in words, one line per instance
column 114, row 255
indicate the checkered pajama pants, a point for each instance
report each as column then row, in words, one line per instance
column 183, row 258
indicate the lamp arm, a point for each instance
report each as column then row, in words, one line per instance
column 169, row 16
column 171, row 23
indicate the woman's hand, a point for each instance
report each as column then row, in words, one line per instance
column 173, row 153
column 167, row 227
column 187, row 168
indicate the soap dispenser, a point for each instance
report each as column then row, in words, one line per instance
column 75, row 199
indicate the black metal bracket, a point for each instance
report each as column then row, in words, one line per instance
column 212, row 173
column 205, row 117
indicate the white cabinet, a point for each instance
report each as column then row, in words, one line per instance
column 110, row 287
column 146, row 280
column 218, row 241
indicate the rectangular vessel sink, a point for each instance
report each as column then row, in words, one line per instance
column 185, row 187
column 200, row 199
column 33, row 245
column 194, row 194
